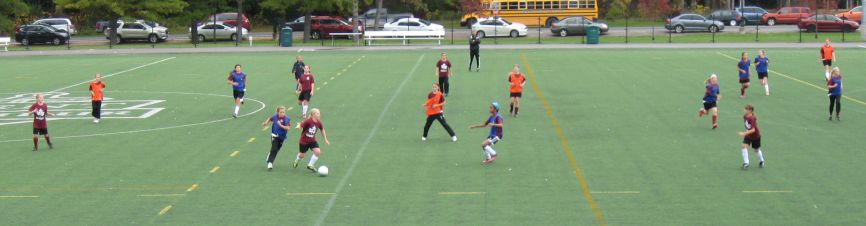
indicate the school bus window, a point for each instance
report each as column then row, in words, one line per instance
column 555, row 5
column 522, row 5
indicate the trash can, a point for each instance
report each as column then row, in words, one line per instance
column 592, row 34
column 286, row 37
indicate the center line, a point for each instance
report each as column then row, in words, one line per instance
column 360, row 154
column 116, row 73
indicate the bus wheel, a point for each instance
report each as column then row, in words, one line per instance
column 551, row 21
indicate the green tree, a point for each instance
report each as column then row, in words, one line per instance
column 12, row 11
column 89, row 11
column 307, row 8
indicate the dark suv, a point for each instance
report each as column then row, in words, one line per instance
column 40, row 33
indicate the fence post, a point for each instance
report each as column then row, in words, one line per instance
column 626, row 28
column 69, row 38
column 539, row 30
column 800, row 31
column 757, row 30
column 452, row 31
column 843, row 31
column 713, row 34
column 653, row 27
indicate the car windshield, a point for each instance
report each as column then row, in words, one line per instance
column 506, row 22
column 424, row 22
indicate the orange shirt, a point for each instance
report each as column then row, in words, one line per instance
column 432, row 99
column 827, row 52
column 516, row 81
column 97, row 90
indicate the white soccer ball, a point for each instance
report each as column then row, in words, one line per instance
column 323, row 171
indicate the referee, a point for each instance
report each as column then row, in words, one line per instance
column 474, row 47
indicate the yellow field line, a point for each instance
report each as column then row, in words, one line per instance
column 615, row 192
column 164, row 210
column 251, row 140
column 17, row 196
column 235, row 153
column 192, row 188
column 564, row 142
column 160, row 195
column 310, row 193
column 463, row 193
column 801, row 81
column 769, row 191
column 264, row 128
column 215, row 168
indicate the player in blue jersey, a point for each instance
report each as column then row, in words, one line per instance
column 762, row 64
column 238, row 80
column 834, row 86
column 495, row 124
column 279, row 128
column 743, row 69
column 711, row 97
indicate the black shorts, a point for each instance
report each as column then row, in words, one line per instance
column 827, row 62
column 238, row 94
column 762, row 75
column 744, row 80
column 306, row 147
column 755, row 143
column 517, row 94
column 305, row 95
column 43, row 131
column 709, row 105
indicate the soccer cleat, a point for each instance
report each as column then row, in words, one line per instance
column 35, row 149
column 478, row 69
column 485, row 162
column 454, row 138
column 423, row 138
column 767, row 93
column 50, row 146
column 837, row 118
column 830, row 118
column 761, row 165
column 295, row 164
column 745, row 166
column 95, row 120
column 234, row 116
column 311, row 168
column 270, row 166
column 715, row 126
column 492, row 158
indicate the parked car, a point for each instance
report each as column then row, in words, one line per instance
column 63, row 24
column 855, row 14
column 102, row 25
column 575, row 25
column 323, row 26
column 218, row 31
column 787, row 15
column 228, row 19
column 751, row 14
column 827, row 23
column 729, row 17
column 369, row 17
column 297, row 24
column 413, row 24
column 40, row 33
column 693, row 22
column 139, row 30
column 496, row 26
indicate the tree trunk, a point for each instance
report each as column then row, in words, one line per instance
column 355, row 21
column 240, row 24
column 307, row 17
column 378, row 9
column 863, row 20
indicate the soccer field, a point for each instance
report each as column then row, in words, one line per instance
column 605, row 137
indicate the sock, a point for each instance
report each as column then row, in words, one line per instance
column 714, row 119
column 486, row 154
column 745, row 156
column 767, row 88
column 490, row 150
column 298, row 157
column 743, row 91
column 511, row 108
column 304, row 109
column 827, row 75
column 48, row 139
column 760, row 155
column 516, row 110
column 35, row 142
column 313, row 160
column 237, row 108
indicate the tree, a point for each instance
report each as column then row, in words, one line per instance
column 654, row 8
column 307, row 8
column 11, row 10
column 91, row 10
column 471, row 6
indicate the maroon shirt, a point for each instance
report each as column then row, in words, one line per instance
column 443, row 66
column 39, row 121
column 306, row 81
column 752, row 122
column 309, row 128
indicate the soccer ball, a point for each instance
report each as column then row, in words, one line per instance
column 323, row 171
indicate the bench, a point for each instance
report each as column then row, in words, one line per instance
column 343, row 34
column 370, row 36
column 4, row 41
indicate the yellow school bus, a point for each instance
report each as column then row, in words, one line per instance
column 533, row 12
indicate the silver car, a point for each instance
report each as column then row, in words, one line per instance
column 218, row 31
column 139, row 30
column 693, row 22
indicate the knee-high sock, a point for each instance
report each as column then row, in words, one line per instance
column 490, row 150
column 827, row 75
column 304, row 109
column 313, row 160
column 714, row 119
column 760, row 155
column 48, row 139
column 745, row 156
column 485, row 153
column 767, row 88
column 36, row 142
column 237, row 108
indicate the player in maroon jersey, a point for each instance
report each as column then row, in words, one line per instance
column 309, row 127
column 305, row 90
column 443, row 70
column 752, row 136
column 39, row 110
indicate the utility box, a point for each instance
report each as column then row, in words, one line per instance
column 592, row 34
column 286, row 37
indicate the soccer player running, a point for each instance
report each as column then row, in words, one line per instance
column 39, row 110
column 495, row 123
column 743, row 69
column 516, row 80
column 305, row 90
column 711, row 97
column 762, row 64
column 435, row 105
column 443, row 70
column 279, row 128
column 96, row 96
column 474, row 49
column 827, row 56
column 298, row 70
column 752, row 136
column 238, row 80
column 834, row 86
column 309, row 127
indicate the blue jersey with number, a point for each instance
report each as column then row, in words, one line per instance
column 241, row 79
column 278, row 131
column 712, row 93
column 495, row 131
column 744, row 66
column 762, row 64
column 838, row 90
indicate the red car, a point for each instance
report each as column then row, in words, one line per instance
column 323, row 26
column 229, row 19
column 827, row 23
column 787, row 15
